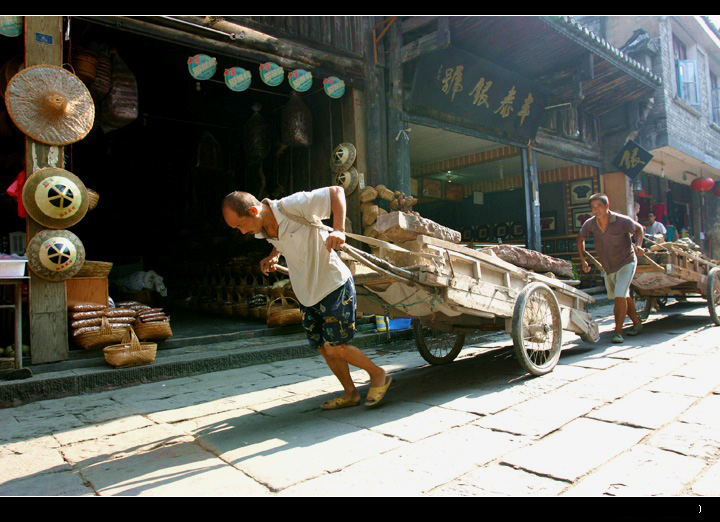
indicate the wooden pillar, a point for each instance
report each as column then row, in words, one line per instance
column 375, row 114
column 531, row 184
column 617, row 187
column 398, row 140
column 47, row 299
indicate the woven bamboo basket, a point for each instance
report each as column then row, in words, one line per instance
column 153, row 331
column 94, row 269
column 131, row 352
column 107, row 334
column 94, row 198
column 285, row 314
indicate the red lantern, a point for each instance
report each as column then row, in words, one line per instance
column 702, row 185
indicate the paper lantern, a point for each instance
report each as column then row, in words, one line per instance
column 702, row 185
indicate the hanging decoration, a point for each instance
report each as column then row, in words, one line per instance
column 237, row 79
column 202, row 66
column 343, row 157
column 702, row 185
column 348, row 180
column 55, row 198
column 300, row 80
column 55, row 255
column 11, row 26
column 296, row 123
column 50, row 105
column 271, row 74
column 334, row 87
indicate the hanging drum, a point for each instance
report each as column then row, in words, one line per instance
column 343, row 157
column 296, row 125
column 256, row 138
column 55, row 198
column 55, row 255
column 50, row 105
column 347, row 180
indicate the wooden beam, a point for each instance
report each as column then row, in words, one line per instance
column 47, row 301
column 440, row 39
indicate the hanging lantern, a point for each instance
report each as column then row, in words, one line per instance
column 702, row 185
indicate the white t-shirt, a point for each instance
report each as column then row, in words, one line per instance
column 656, row 228
column 314, row 272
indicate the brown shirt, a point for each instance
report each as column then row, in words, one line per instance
column 614, row 247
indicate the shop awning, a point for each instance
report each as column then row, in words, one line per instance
column 561, row 55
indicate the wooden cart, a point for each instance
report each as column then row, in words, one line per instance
column 462, row 290
column 672, row 270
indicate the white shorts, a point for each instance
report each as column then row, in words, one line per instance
column 618, row 283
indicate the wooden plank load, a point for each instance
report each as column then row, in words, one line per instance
column 532, row 260
column 401, row 227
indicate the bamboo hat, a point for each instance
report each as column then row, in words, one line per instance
column 347, row 180
column 50, row 105
column 55, row 255
column 343, row 157
column 55, row 198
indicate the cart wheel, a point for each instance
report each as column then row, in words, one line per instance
column 437, row 347
column 643, row 305
column 713, row 294
column 537, row 329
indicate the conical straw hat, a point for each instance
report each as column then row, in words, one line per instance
column 55, row 198
column 55, row 255
column 50, row 105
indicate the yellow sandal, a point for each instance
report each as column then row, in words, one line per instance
column 338, row 403
column 376, row 393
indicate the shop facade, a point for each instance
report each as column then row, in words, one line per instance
column 681, row 129
column 506, row 122
column 515, row 161
column 185, row 130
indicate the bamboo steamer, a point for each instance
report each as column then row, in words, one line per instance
column 284, row 313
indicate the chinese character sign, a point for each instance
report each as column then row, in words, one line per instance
column 632, row 159
column 452, row 84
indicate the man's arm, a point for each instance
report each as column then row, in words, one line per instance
column 581, row 252
column 268, row 264
column 338, row 206
column 639, row 236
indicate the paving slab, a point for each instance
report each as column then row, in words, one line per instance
column 414, row 469
column 644, row 408
column 280, row 452
column 642, row 471
column 576, row 449
column 684, row 438
column 709, row 484
column 540, row 416
column 497, row 480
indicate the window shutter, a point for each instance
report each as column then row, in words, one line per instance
column 688, row 89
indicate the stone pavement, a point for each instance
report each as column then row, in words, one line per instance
column 637, row 420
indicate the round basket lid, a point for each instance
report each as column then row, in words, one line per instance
column 55, row 198
column 55, row 255
column 347, row 180
column 343, row 157
column 50, row 105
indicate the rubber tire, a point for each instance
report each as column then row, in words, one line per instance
column 518, row 331
column 425, row 351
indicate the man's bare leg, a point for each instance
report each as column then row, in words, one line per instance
column 341, row 370
column 621, row 310
column 632, row 312
column 338, row 358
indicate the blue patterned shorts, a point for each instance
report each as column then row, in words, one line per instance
column 332, row 320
